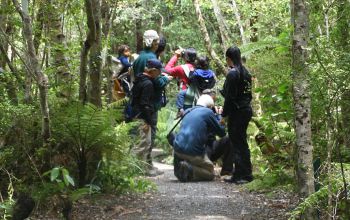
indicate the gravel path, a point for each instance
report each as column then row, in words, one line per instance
column 174, row 200
column 205, row 200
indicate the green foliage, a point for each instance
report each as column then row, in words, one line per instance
column 7, row 204
column 165, row 122
column 332, row 182
column 119, row 169
column 88, row 131
column 270, row 180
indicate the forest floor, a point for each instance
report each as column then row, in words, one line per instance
column 175, row 200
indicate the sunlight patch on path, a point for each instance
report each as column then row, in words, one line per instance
column 162, row 166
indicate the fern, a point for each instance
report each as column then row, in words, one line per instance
column 87, row 130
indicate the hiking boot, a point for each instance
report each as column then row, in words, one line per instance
column 185, row 173
column 239, row 180
column 225, row 173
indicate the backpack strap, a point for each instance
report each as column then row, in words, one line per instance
column 186, row 70
column 188, row 111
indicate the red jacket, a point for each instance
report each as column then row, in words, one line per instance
column 178, row 71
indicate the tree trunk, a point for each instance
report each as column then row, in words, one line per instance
column 139, row 35
column 107, row 15
column 35, row 69
column 95, row 61
column 253, row 21
column 90, row 40
column 343, row 28
column 214, row 56
column 38, row 29
column 302, row 101
column 239, row 22
column 10, row 85
column 221, row 23
column 58, row 48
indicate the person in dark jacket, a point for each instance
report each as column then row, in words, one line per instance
column 143, row 107
column 238, row 95
column 191, row 162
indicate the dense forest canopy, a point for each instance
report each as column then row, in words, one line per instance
column 62, row 131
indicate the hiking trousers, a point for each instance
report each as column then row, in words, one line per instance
column 142, row 142
column 237, row 129
column 222, row 149
column 203, row 168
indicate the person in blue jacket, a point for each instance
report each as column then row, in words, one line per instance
column 202, row 78
column 191, row 162
column 123, row 55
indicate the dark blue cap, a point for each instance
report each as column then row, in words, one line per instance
column 154, row 63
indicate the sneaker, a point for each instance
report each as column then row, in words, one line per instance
column 239, row 180
column 185, row 173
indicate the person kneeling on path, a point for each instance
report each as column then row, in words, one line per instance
column 191, row 162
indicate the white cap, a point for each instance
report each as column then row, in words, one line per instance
column 206, row 101
column 149, row 36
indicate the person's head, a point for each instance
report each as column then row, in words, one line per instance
column 124, row 50
column 210, row 92
column 202, row 62
column 189, row 55
column 205, row 101
column 161, row 46
column 153, row 68
column 233, row 56
column 151, row 39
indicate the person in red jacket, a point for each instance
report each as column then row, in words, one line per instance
column 182, row 71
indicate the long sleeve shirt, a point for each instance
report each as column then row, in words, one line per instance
column 178, row 71
column 237, row 91
column 140, row 63
column 143, row 98
column 125, row 62
column 195, row 127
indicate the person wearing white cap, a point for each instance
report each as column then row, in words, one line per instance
column 150, row 42
column 191, row 162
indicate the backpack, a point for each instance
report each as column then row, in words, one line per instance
column 202, row 83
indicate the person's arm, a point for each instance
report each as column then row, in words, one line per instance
column 215, row 126
column 125, row 61
column 173, row 70
column 145, row 103
column 180, row 101
column 160, row 82
column 230, row 93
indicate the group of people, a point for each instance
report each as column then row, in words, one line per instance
column 195, row 145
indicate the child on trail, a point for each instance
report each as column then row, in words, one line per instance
column 201, row 79
column 123, row 55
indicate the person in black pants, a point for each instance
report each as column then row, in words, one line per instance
column 238, row 111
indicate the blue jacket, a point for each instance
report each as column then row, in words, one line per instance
column 195, row 129
column 204, row 73
column 125, row 62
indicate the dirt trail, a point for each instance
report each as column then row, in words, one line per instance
column 174, row 200
column 206, row 200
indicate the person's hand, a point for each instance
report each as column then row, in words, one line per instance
column 219, row 110
column 169, row 77
column 178, row 52
column 223, row 121
column 145, row 128
column 180, row 113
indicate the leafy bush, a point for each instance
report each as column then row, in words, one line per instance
column 83, row 133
